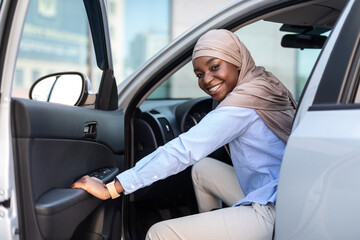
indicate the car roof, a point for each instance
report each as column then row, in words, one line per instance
column 321, row 14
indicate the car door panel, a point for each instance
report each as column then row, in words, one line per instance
column 320, row 170
column 59, row 124
column 51, row 152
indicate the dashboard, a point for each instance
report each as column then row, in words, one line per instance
column 159, row 121
column 190, row 113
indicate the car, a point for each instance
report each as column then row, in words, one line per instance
column 71, row 125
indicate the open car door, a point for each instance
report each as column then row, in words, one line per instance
column 52, row 144
column 321, row 161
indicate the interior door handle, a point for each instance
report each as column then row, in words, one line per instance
column 90, row 130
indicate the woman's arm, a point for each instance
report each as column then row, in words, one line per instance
column 217, row 129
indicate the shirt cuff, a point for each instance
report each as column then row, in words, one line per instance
column 129, row 181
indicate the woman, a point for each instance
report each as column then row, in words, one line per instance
column 254, row 118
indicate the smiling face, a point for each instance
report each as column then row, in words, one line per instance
column 216, row 77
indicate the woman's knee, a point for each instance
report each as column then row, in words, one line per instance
column 159, row 231
column 152, row 233
column 200, row 168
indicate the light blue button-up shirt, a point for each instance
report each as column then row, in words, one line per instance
column 256, row 154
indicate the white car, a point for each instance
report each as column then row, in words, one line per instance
column 47, row 144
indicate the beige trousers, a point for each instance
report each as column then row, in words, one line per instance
column 215, row 182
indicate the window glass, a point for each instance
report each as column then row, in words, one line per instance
column 354, row 79
column 56, row 38
column 357, row 82
column 182, row 84
column 291, row 66
column 357, row 96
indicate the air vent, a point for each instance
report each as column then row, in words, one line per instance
column 168, row 133
column 154, row 112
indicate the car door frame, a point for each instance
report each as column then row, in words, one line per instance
column 173, row 57
column 10, row 12
column 14, row 11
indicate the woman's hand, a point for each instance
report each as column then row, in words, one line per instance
column 93, row 186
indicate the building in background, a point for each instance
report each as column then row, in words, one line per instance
column 139, row 29
column 55, row 38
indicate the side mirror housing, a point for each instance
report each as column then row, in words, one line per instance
column 69, row 88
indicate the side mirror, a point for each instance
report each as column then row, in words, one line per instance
column 69, row 88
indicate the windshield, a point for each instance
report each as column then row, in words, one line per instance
column 291, row 66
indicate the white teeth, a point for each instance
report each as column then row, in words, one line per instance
column 213, row 89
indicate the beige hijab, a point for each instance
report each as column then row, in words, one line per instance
column 256, row 88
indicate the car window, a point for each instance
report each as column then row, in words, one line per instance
column 357, row 83
column 291, row 66
column 357, row 96
column 354, row 79
column 56, row 38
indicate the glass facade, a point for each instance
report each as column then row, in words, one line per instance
column 147, row 28
column 56, row 38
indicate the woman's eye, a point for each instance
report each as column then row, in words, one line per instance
column 199, row 75
column 214, row 67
